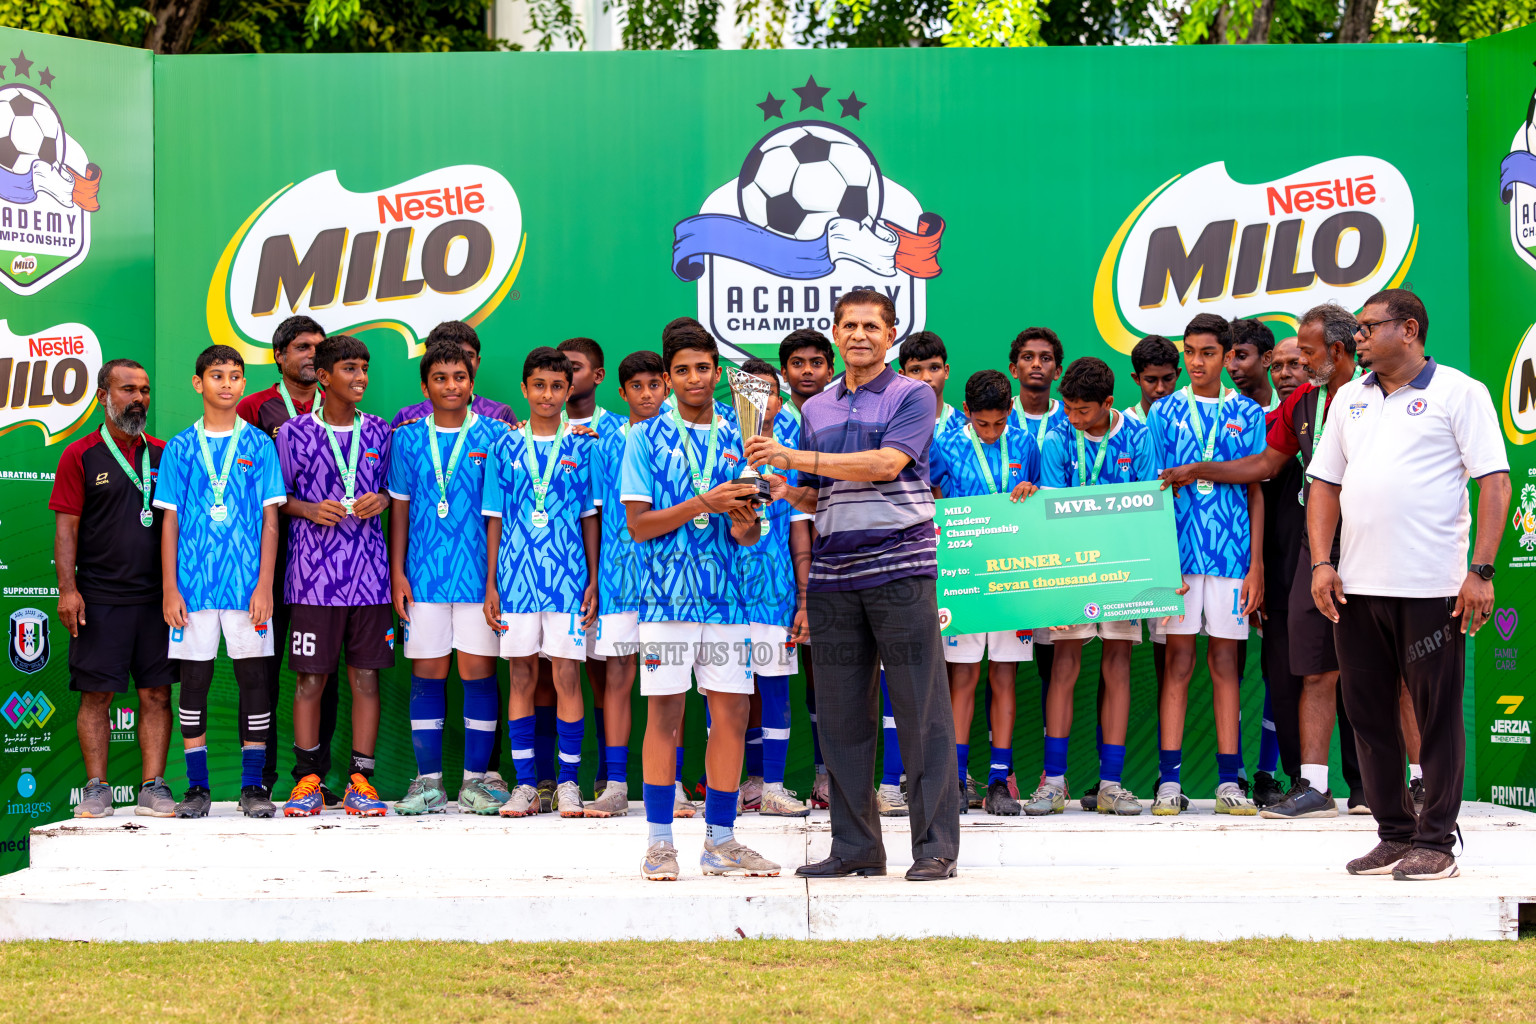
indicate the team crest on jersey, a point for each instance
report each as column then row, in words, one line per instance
column 389, row 638
column 245, row 464
column 371, row 453
column 1356, row 410
column 29, row 640
column 569, row 464
column 478, row 458
column 1234, row 428
column 1123, row 460
column 808, row 215
column 1417, row 406
column 1024, row 636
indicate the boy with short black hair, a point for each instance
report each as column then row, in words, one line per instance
column 988, row 455
column 1155, row 369
column 1035, row 360
column 924, row 358
column 437, row 550
column 689, row 515
column 219, row 484
column 1100, row 446
column 334, row 461
column 1220, row 528
column 463, row 335
column 1253, row 350
column 541, row 565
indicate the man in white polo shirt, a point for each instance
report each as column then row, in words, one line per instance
column 1401, row 443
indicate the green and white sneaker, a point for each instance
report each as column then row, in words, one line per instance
column 1230, row 799
column 1113, row 798
column 523, row 802
column 496, row 786
column 475, row 797
column 1048, row 799
column 1170, row 800
column 425, row 796
column 613, row 803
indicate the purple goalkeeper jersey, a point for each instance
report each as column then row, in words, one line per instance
column 345, row 565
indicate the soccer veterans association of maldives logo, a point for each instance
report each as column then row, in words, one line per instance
column 810, row 215
column 48, row 186
column 29, row 640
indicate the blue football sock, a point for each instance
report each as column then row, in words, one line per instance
column 570, row 734
column 1228, row 767
column 775, row 691
column 752, row 761
column 1269, row 743
column 891, row 766
column 658, row 811
column 1001, row 765
column 481, row 701
column 1168, row 764
column 1111, row 762
column 252, row 760
column 616, row 762
column 428, row 706
column 544, row 741
column 719, row 815
column 963, row 758
column 520, row 744
column 197, row 766
column 1056, row 756
column 680, row 752
column 810, row 706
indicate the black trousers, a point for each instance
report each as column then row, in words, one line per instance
column 1284, row 693
column 852, row 634
column 1379, row 641
column 281, row 616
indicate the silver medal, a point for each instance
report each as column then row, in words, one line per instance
column 218, row 513
column 701, row 520
column 1204, row 486
column 347, row 504
column 146, row 518
column 539, row 519
column 442, row 510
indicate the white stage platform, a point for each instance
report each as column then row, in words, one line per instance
column 453, row 876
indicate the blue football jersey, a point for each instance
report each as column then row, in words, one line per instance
column 688, row 575
column 218, row 564
column 1213, row 528
column 766, row 571
column 1128, row 457
column 619, row 571
column 960, row 474
column 444, row 557
column 540, row 569
column 1039, row 427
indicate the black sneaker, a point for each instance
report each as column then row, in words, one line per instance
column 1416, row 794
column 331, row 799
column 1266, row 791
column 254, row 803
column 1090, row 798
column 1244, row 784
column 965, row 799
column 194, row 803
column 998, row 800
column 1304, row 803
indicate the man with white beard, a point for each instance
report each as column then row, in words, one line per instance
column 106, row 550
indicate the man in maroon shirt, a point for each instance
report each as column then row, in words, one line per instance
column 106, row 551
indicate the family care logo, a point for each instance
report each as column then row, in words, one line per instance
column 1340, row 230
column 48, row 186
column 47, row 380
column 809, row 216
column 445, row 245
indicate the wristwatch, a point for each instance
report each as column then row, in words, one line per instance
column 1483, row 569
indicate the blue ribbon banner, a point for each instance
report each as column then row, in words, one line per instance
column 719, row 234
column 1517, row 169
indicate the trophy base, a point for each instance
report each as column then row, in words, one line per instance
column 763, row 494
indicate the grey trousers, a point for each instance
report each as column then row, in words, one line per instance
column 852, row 634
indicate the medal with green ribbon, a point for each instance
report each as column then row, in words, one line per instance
column 944, row 415
column 146, row 517
column 541, row 478
column 1083, row 477
column 218, row 480
column 444, row 478
column 1317, row 435
column 1207, row 442
column 981, row 456
column 346, row 467
column 700, row 479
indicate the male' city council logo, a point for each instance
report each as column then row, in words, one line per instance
column 48, row 186
column 27, row 710
column 29, row 641
column 810, row 215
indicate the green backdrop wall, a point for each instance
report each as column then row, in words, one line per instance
column 1107, row 193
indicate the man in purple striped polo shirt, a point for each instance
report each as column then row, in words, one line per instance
column 863, row 465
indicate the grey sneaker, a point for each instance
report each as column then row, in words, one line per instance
column 1170, row 800
column 779, row 802
column 96, row 801
column 733, row 857
column 1382, row 860
column 1048, row 799
column 682, row 807
column 613, row 803
column 568, row 797
column 255, row 803
column 1113, row 798
column 891, row 802
column 475, row 797
column 156, row 800
column 660, row 864
column 1421, row 865
column 999, row 801
column 1230, row 799
column 523, row 802
column 195, row 803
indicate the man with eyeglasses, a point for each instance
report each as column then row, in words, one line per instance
column 1394, row 464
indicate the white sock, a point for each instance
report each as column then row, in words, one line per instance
column 1415, row 771
column 468, row 775
column 1316, row 775
column 773, row 787
column 434, row 775
column 1059, row 781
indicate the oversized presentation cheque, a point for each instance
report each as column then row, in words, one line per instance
column 1059, row 557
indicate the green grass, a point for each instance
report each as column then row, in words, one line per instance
column 758, row 981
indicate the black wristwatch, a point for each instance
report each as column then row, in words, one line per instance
column 1483, row 569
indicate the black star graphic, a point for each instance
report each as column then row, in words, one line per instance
column 810, row 94
column 852, row 105
column 22, row 65
column 771, row 107
column 47, row 78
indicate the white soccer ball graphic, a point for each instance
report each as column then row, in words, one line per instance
column 30, row 130
column 800, row 177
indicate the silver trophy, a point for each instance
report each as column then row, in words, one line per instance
column 749, row 397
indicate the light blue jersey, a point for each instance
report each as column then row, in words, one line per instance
column 960, row 474
column 1213, row 528
column 444, row 556
column 218, row 563
column 1127, row 459
column 540, row 568
column 1039, row 426
column 619, row 570
column 689, row 574
column 766, row 570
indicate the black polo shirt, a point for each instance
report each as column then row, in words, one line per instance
column 118, row 558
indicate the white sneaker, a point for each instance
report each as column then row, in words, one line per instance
column 568, row 799
column 750, row 796
column 1230, row 799
column 891, row 802
column 682, row 807
column 777, row 801
column 1170, row 800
